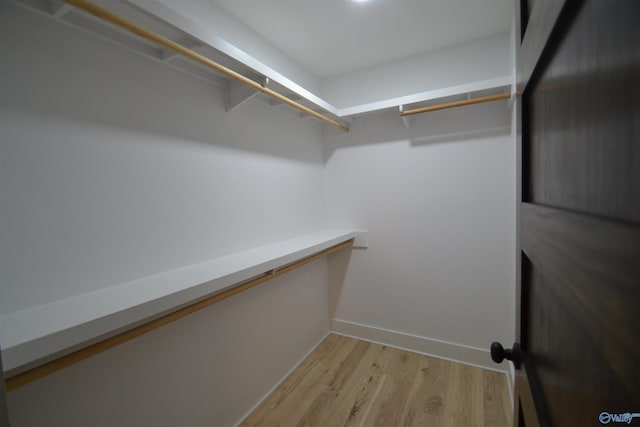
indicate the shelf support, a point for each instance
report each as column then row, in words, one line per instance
column 59, row 8
column 237, row 93
column 405, row 119
column 169, row 55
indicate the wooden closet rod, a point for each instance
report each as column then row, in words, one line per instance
column 456, row 104
column 134, row 28
column 62, row 362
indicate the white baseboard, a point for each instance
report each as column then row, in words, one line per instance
column 277, row 384
column 467, row 355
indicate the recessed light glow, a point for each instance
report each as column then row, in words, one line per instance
column 360, row 1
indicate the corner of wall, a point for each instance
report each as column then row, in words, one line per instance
column 467, row 355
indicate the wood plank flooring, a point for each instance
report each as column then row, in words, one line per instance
column 348, row 382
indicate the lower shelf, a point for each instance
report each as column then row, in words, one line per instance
column 40, row 334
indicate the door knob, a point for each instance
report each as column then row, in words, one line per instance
column 498, row 353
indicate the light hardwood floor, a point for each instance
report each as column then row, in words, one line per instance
column 348, row 382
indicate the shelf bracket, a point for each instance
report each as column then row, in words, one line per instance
column 237, row 93
column 168, row 55
column 405, row 119
column 59, row 8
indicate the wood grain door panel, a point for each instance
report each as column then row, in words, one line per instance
column 579, row 128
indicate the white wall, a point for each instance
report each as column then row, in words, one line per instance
column 438, row 202
column 117, row 167
column 114, row 167
column 477, row 60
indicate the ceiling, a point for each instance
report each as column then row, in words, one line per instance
column 333, row 37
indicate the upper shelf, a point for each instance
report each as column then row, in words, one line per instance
column 168, row 23
column 32, row 336
column 437, row 96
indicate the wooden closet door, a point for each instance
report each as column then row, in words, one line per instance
column 579, row 298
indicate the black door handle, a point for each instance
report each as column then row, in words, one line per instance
column 498, row 353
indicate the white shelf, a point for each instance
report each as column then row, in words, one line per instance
column 206, row 36
column 472, row 88
column 35, row 335
column 176, row 26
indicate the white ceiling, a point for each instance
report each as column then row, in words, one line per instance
column 332, row 37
